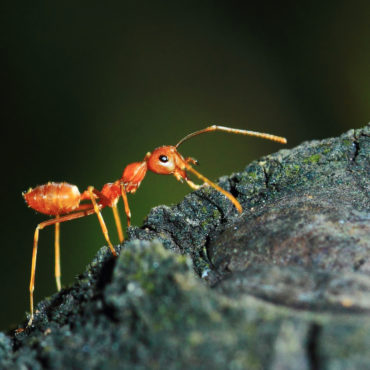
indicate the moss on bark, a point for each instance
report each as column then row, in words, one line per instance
column 285, row 285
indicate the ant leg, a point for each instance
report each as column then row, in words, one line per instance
column 57, row 255
column 189, row 182
column 182, row 176
column 192, row 160
column 33, row 269
column 125, row 202
column 224, row 192
column 90, row 189
column 39, row 227
column 192, row 185
column 117, row 219
column 105, row 200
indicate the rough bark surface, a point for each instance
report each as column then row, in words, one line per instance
column 286, row 285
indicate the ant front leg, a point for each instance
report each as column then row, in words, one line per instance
column 181, row 176
column 189, row 182
column 192, row 184
column 192, row 161
column 215, row 186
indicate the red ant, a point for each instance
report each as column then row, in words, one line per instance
column 62, row 200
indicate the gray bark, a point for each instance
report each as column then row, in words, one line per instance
column 285, row 285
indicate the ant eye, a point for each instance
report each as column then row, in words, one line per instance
column 163, row 158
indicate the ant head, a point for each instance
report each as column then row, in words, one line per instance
column 164, row 160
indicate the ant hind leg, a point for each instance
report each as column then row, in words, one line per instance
column 57, row 220
column 57, row 255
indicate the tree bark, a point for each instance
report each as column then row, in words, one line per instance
column 285, row 285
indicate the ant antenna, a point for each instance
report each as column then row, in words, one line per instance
column 278, row 139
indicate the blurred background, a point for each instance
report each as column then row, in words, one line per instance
column 88, row 88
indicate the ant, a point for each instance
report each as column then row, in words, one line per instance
column 63, row 200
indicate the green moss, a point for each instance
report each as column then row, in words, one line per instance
column 347, row 142
column 292, row 170
column 216, row 215
column 253, row 175
column 313, row 159
column 195, row 338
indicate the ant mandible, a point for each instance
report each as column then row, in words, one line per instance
column 62, row 200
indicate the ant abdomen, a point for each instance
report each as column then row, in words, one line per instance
column 53, row 198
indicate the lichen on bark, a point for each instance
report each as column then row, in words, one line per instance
column 284, row 285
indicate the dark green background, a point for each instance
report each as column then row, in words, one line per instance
column 88, row 87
